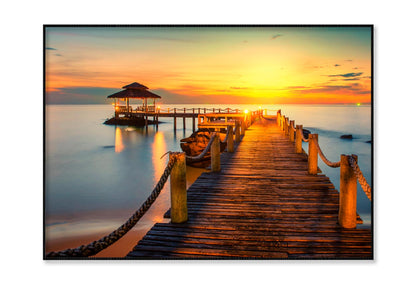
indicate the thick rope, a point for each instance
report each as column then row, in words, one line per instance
column 203, row 153
column 360, row 177
column 303, row 138
column 325, row 160
column 95, row 247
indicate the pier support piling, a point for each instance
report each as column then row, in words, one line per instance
column 179, row 209
column 347, row 215
column 174, row 119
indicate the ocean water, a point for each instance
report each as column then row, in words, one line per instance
column 97, row 175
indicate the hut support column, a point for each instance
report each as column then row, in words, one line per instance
column 178, row 198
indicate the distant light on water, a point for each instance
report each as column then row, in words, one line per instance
column 246, row 111
column 358, row 104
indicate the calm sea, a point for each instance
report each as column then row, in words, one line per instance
column 97, row 175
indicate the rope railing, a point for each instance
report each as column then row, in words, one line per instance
column 226, row 136
column 360, row 177
column 95, row 247
column 325, row 160
column 350, row 172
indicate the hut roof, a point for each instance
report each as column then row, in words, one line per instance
column 136, row 85
column 134, row 90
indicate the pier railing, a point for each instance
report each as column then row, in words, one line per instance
column 350, row 172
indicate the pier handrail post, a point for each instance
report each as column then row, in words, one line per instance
column 287, row 126
column 282, row 124
column 278, row 117
column 243, row 127
column 237, row 131
column 178, row 198
column 215, row 154
column 347, row 214
column 291, row 131
column 313, row 154
column 193, row 120
column 230, row 139
column 298, row 142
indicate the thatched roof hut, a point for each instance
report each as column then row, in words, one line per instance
column 136, row 91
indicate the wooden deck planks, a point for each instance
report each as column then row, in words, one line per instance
column 263, row 204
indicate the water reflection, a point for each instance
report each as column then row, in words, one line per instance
column 158, row 149
column 119, row 146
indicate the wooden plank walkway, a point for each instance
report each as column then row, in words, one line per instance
column 263, row 204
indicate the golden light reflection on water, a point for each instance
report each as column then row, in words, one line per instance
column 119, row 146
column 158, row 149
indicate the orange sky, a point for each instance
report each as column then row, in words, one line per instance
column 249, row 64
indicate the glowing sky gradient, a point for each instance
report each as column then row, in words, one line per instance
column 210, row 64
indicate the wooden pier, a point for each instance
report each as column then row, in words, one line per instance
column 262, row 204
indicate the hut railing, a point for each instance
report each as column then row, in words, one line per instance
column 350, row 172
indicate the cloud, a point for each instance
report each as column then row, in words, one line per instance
column 58, row 54
column 79, row 95
column 236, row 87
column 275, row 36
column 337, row 65
column 50, row 48
column 347, row 75
column 350, row 89
column 348, row 60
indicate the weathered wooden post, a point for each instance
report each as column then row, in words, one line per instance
column 157, row 120
column 298, row 142
column 292, row 131
column 205, row 110
column 215, row 154
column 237, row 131
column 243, row 127
column 347, row 214
column 178, row 199
column 230, row 139
column 313, row 154
column 287, row 126
column 184, row 111
column 278, row 117
column 283, row 122
column 193, row 120
column 174, row 119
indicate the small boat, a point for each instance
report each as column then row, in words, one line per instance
column 196, row 143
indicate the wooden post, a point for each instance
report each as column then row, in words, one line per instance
column 283, row 119
column 157, row 120
column 287, row 126
column 178, row 199
column 243, row 127
column 215, row 154
column 237, row 131
column 292, row 131
column 278, row 117
column 313, row 154
column 184, row 111
column 205, row 110
column 174, row 119
column 347, row 215
column 193, row 120
column 230, row 139
column 298, row 142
